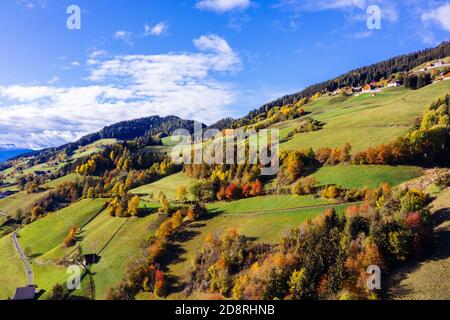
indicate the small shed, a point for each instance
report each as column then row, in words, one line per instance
column 25, row 293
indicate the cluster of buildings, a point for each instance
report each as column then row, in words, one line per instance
column 374, row 87
column 443, row 76
column 368, row 88
column 434, row 65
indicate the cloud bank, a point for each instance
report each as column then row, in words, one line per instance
column 120, row 88
column 222, row 6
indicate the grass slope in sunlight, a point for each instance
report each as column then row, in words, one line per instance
column 50, row 231
column 365, row 176
column 267, row 203
column 365, row 121
column 12, row 274
column 20, row 200
column 167, row 185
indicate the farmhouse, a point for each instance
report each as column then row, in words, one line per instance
column 394, row 83
column 439, row 63
column 368, row 88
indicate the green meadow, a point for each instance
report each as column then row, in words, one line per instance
column 267, row 227
column 362, row 176
column 20, row 200
column 267, row 203
column 167, row 185
column 50, row 231
column 12, row 273
column 94, row 147
column 364, row 121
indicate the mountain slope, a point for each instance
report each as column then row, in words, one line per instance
column 355, row 78
column 125, row 130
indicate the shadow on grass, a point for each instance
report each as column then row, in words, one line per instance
column 439, row 251
column 145, row 212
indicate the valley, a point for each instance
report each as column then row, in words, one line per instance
column 158, row 230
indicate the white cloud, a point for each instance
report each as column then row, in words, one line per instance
column 440, row 16
column 53, row 80
column 388, row 8
column 98, row 53
column 319, row 5
column 125, row 36
column 75, row 64
column 360, row 35
column 157, row 30
column 31, row 4
column 121, row 88
column 222, row 6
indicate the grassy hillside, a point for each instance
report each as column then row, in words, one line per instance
column 96, row 146
column 429, row 279
column 115, row 240
column 364, row 121
column 12, row 273
column 69, row 178
column 264, row 227
column 47, row 233
column 167, row 185
column 20, row 200
column 365, row 176
column 266, row 203
column 123, row 245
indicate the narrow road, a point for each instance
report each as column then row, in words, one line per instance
column 24, row 259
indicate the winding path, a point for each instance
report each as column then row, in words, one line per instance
column 24, row 259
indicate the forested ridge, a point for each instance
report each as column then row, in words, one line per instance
column 144, row 128
column 359, row 77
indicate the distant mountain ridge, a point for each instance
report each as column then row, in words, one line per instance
column 164, row 126
column 124, row 130
column 9, row 153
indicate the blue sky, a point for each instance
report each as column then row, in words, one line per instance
column 198, row 59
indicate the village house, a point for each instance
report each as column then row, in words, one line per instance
column 356, row 89
column 439, row 63
column 394, row 83
column 368, row 88
column 447, row 76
